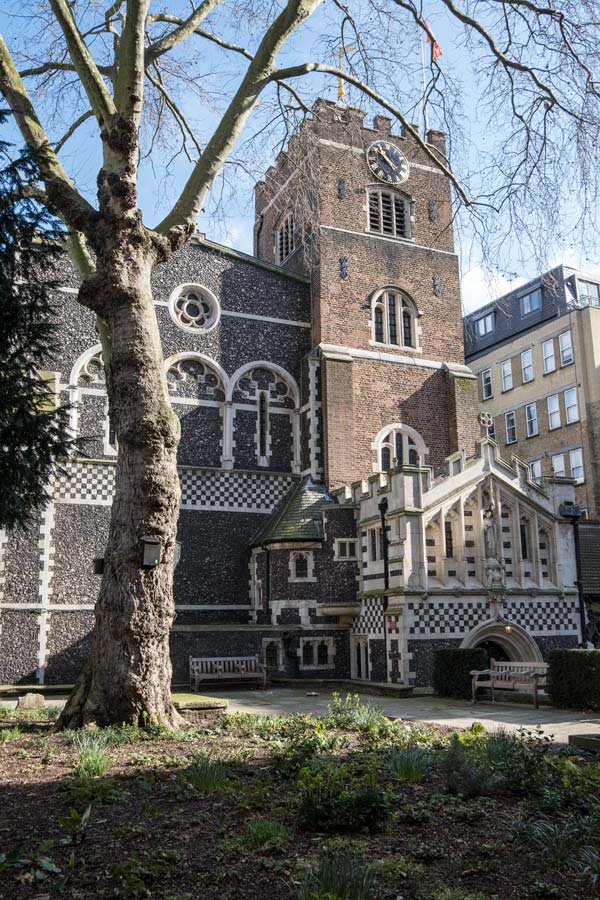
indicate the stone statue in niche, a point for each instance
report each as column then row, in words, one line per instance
column 437, row 285
column 490, row 528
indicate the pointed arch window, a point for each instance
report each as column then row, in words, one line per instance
column 399, row 448
column 284, row 243
column 394, row 319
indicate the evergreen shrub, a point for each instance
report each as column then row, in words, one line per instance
column 452, row 668
column 574, row 679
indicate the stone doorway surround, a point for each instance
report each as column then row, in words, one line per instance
column 517, row 643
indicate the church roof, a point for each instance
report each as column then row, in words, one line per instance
column 298, row 518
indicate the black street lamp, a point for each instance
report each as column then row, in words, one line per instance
column 382, row 507
column 573, row 513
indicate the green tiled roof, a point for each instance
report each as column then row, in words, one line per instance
column 299, row 516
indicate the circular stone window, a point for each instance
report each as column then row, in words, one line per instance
column 195, row 308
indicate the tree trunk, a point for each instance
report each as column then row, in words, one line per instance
column 127, row 677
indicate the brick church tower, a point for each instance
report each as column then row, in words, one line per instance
column 366, row 215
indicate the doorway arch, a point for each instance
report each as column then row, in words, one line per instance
column 518, row 645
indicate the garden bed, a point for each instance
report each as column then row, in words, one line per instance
column 294, row 807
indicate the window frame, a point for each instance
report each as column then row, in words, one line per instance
column 396, row 197
column 310, row 567
column 348, row 557
column 555, row 412
column 563, row 334
column 285, row 233
column 503, row 376
column 529, row 366
column 554, row 456
column 589, row 298
column 552, row 356
column 488, row 318
column 488, row 384
column 578, row 478
column 531, row 419
column 568, row 406
column 514, row 426
column 388, row 317
column 534, row 465
column 526, row 302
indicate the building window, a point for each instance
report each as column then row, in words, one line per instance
column 524, row 536
column 284, row 244
column 530, row 302
column 576, row 464
column 527, row 366
column 398, row 448
column 194, row 308
column 535, row 467
column 506, row 370
column 389, row 213
column 485, row 325
column 273, row 653
column 566, row 348
column 553, row 412
column 558, row 464
column 486, row 384
column 492, row 430
column 449, row 544
column 344, row 550
column 301, row 566
column 263, row 427
column 589, row 292
column 375, row 544
column 511, row 427
column 532, row 419
column 317, row 654
column 571, row 406
column 548, row 353
column 393, row 319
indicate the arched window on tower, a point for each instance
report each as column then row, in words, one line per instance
column 389, row 213
column 284, row 240
column 394, row 319
column 400, row 446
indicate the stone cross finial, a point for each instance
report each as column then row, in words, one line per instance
column 486, row 421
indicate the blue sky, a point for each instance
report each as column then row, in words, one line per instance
column 486, row 272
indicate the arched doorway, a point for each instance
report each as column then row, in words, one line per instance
column 512, row 639
column 494, row 651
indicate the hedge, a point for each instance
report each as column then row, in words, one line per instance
column 574, row 679
column 452, row 668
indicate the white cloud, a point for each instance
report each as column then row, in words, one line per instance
column 478, row 287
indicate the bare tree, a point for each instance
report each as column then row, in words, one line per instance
column 119, row 64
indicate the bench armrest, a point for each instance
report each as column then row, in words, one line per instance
column 476, row 672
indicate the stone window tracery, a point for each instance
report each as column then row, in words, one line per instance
column 302, row 566
column 91, row 373
column 394, row 319
column 264, row 401
column 284, row 240
column 317, row 653
column 400, row 446
column 194, row 308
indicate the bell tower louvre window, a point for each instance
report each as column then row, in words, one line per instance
column 285, row 238
column 389, row 213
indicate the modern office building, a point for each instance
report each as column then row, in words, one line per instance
column 536, row 353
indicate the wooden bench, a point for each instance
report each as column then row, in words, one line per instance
column 527, row 677
column 227, row 668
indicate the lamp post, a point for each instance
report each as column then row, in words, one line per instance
column 382, row 507
column 573, row 513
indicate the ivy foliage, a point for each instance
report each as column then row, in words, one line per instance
column 33, row 428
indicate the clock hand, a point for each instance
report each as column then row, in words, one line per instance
column 389, row 161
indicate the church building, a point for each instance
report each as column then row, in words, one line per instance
column 342, row 514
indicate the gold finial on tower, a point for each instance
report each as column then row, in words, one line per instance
column 342, row 49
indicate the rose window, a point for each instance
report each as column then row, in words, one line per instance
column 195, row 309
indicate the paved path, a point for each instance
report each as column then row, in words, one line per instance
column 454, row 713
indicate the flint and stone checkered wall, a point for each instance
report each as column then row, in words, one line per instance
column 92, row 484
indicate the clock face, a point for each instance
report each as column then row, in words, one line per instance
column 387, row 163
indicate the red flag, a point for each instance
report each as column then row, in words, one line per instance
column 436, row 50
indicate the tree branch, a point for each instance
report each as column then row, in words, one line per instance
column 91, row 79
column 175, row 20
column 183, row 216
column 129, row 83
column 62, row 194
column 71, row 131
column 430, row 152
column 180, row 33
column 177, row 113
